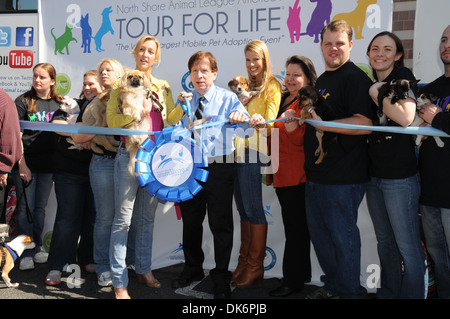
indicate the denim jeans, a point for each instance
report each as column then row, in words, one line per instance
column 72, row 238
column 332, row 212
column 131, row 201
column 394, row 209
column 436, row 227
column 101, row 173
column 37, row 194
column 248, row 189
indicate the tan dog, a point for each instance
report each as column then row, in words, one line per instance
column 311, row 100
column 12, row 251
column 240, row 85
column 356, row 18
column 134, row 88
column 93, row 116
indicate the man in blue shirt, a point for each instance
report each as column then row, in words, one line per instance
column 217, row 194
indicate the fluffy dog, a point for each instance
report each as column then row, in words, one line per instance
column 395, row 90
column 93, row 116
column 240, row 85
column 11, row 251
column 71, row 107
column 424, row 99
column 311, row 100
column 134, row 88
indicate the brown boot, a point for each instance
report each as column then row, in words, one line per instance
column 255, row 261
column 243, row 251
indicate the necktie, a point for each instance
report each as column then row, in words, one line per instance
column 200, row 109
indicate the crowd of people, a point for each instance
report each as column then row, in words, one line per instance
column 104, row 220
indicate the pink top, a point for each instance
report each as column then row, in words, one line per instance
column 156, row 124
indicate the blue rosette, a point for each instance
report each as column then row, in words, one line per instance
column 171, row 167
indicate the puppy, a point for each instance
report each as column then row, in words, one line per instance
column 395, row 90
column 11, row 252
column 240, row 85
column 311, row 100
column 424, row 99
column 134, row 88
column 93, row 116
column 71, row 107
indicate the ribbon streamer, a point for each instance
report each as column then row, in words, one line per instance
column 81, row 129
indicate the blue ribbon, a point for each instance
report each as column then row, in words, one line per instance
column 188, row 189
column 53, row 127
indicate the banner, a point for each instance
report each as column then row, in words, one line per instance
column 74, row 37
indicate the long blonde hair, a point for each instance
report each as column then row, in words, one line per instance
column 259, row 47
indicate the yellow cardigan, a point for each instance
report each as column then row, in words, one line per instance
column 268, row 108
column 160, row 87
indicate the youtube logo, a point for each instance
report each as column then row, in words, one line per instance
column 21, row 59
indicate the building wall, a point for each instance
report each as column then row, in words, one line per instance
column 403, row 26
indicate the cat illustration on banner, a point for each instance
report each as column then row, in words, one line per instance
column 293, row 22
column 63, row 41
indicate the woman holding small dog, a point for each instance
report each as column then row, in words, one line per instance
column 147, row 53
column 289, row 180
column 250, row 152
column 101, row 174
column 34, row 168
column 393, row 191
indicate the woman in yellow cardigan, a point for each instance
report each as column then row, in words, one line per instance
column 251, row 153
column 147, row 52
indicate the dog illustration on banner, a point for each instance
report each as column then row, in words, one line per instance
column 86, row 34
column 104, row 29
column 356, row 18
column 64, row 40
column 320, row 17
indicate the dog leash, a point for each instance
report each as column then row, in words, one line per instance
column 24, row 195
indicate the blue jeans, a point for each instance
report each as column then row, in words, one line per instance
column 394, row 210
column 101, row 173
column 248, row 190
column 72, row 238
column 131, row 201
column 37, row 194
column 436, row 227
column 332, row 212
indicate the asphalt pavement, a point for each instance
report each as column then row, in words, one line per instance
column 79, row 284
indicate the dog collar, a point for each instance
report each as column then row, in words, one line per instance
column 13, row 253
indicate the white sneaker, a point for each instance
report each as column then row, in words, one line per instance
column 41, row 256
column 104, row 279
column 26, row 263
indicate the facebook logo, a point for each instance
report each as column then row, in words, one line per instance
column 24, row 36
column 5, row 36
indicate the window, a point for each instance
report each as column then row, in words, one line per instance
column 15, row 6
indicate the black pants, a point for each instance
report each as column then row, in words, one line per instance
column 296, row 260
column 216, row 199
